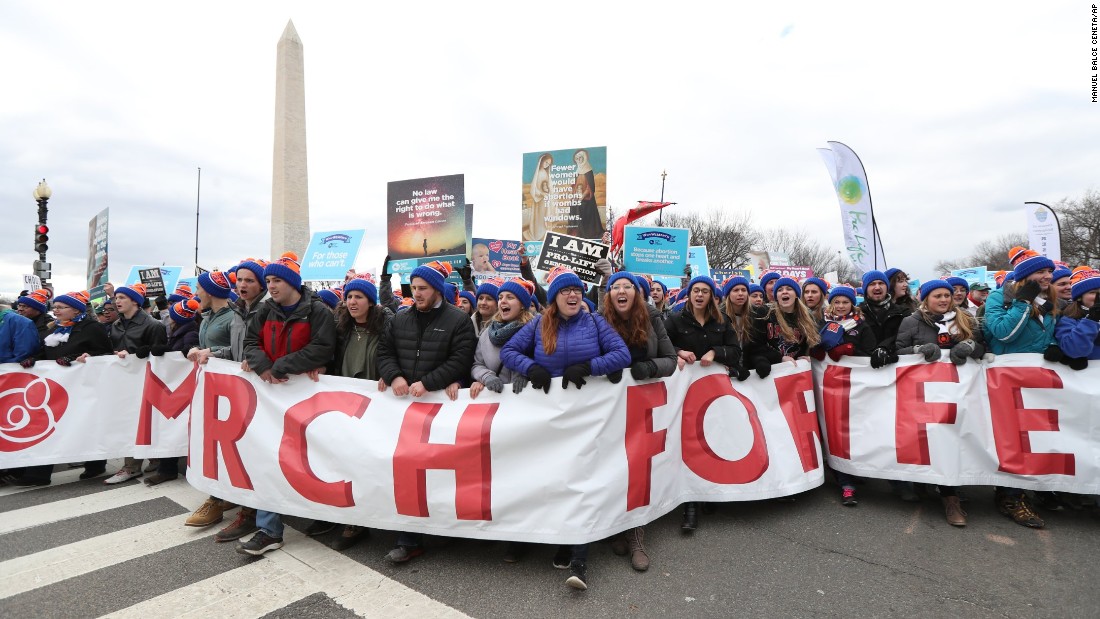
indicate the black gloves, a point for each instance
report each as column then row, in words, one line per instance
column 158, row 350
column 539, row 378
column 763, row 368
column 65, row 361
column 1094, row 312
column 575, row 374
column 519, row 381
column 386, row 266
column 493, row 383
column 466, row 272
column 962, row 350
column 1076, row 363
column 879, row 357
column 1028, row 291
column 27, row 363
column 1053, row 353
column 142, row 352
column 615, row 377
column 930, row 351
column 643, row 370
column 742, row 373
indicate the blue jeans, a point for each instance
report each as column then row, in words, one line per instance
column 411, row 540
column 270, row 523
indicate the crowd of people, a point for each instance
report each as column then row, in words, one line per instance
column 515, row 333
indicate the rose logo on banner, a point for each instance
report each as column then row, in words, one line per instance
column 30, row 408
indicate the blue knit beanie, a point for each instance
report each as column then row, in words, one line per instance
column 136, row 292
column 733, row 282
column 820, row 283
column 790, row 282
column 927, row 287
column 703, row 279
column 643, row 284
column 843, row 291
column 490, row 287
column 871, row 276
column 590, row 304
column 364, row 286
column 520, row 288
column 450, row 293
column 1061, row 273
column 891, row 272
column 1028, row 261
column 329, row 298
column 469, row 296
column 767, row 277
column 37, row 299
column 215, row 283
column 755, row 288
column 621, row 275
column 561, row 277
column 257, row 267
column 287, row 269
column 184, row 311
column 957, row 281
column 435, row 274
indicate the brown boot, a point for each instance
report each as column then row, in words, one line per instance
column 210, row 512
column 243, row 525
column 639, row 560
column 956, row 517
column 618, row 544
column 1019, row 509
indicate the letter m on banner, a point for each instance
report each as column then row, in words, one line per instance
column 170, row 402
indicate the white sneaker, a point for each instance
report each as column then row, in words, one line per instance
column 121, row 476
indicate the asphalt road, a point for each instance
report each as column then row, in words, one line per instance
column 82, row 549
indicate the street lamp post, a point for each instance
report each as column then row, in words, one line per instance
column 42, row 195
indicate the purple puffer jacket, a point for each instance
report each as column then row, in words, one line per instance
column 584, row 337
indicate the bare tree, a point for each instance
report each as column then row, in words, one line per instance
column 1080, row 223
column 804, row 250
column 993, row 254
column 727, row 235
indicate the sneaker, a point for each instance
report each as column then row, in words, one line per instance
column 260, row 543
column 319, row 527
column 848, row 497
column 121, row 476
column 578, row 575
column 157, row 478
column 1018, row 509
column 210, row 512
column 404, row 554
column 152, row 466
column 244, row 524
column 350, row 537
column 563, row 557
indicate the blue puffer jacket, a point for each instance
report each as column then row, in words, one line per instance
column 19, row 337
column 1078, row 337
column 584, row 337
column 1014, row 329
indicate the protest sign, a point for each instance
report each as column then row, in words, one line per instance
column 721, row 275
column 168, row 275
column 565, row 191
column 576, row 253
column 330, row 254
column 32, row 282
column 655, row 251
column 796, row 273
column 97, row 254
column 153, row 282
column 426, row 218
column 698, row 260
column 972, row 275
column 490, row 257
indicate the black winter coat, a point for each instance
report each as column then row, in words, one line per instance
column 687, row 334
column 884, row 319
column 141, row 331
column 87, row 336
column 184, row 337
column 772, row 346
column 440, row 355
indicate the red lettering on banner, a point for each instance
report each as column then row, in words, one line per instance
column 224, row 434
column 170, row 402
column 469, row 457
column 800, row 419
column 698, row 455
column 836, row 392
column 913, row 413
column 294, row 449
column 1012, row 422
column 642, row 443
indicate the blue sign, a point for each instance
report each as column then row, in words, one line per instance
column 655, row 251
column 492, row 257
column 193, row 282
column 408, row 265
column 973, row 275
column 169, row 275
column 330, row 255
column 698, row 260
column 721, row 275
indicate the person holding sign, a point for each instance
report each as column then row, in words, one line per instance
column 701, row 333
column 573, row 344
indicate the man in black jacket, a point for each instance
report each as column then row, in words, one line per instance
column 426, row 349
column 882, row 315
column 137, row 333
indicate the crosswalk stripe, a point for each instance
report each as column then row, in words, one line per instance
column 60, row 478
column 37, row 515
column 253, row 590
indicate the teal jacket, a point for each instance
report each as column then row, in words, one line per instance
column 1014, row 329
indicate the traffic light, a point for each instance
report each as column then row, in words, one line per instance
column 41, row 237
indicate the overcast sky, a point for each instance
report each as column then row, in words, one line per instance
column 960, row 112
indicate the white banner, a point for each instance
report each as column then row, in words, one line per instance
column 861, row 239
column 564, row 467
column 1019, row 422
column 1044, row 235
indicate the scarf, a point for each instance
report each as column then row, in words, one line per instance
column 61, row 332
column 947, row 329
column 501, row 332
column 849, row 321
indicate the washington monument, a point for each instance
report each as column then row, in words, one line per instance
column 289, row 185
